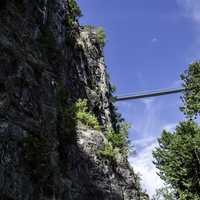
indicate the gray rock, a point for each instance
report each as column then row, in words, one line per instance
column 44, row 155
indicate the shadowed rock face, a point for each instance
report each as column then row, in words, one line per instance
column 44, row 154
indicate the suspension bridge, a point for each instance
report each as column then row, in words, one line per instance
column 150, row 94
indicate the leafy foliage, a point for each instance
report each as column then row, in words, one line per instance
column 188, row 196
column 118, row 142
column 178, row 154
column 178, row 159
column 101, row 36
column 108, row 152
column 116, row 117
column 120, row 139
column 117, row 135
column 74, row 13
column 116, row 139
column 69, row 115
column 89, row 28
column 191, row 98
column 70, row 22
column 166, row 193
column 74, row 9
column 84, row 116
column 113, row 88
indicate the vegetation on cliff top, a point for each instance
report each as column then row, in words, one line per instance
column 100, row 34
column 74, row 9
column 74, row 13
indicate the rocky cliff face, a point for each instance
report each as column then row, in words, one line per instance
column 45, row 66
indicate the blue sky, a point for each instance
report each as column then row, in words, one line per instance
column 149, row 43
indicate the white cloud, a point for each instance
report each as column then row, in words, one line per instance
column 148, row 128
column 142, row 161
column 144, row 141
column 142, row 164
column 191, row 9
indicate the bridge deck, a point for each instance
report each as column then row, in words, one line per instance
column 150, row 94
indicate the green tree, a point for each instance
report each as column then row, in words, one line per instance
column 119, row 139
column 118, row 143
column 178, row 159
column 178, row 154
column 99, row 32
column 74, row 13
column 101, row 36
column 191, row 97
column 164, row 193
column 74, row 9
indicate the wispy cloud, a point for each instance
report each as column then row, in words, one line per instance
column 191, row 9
column 148, row 102
column 143, row 165
column 143, row 161
column 148, row 128
column 150, row 117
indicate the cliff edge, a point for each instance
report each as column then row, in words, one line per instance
column 52, row 147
